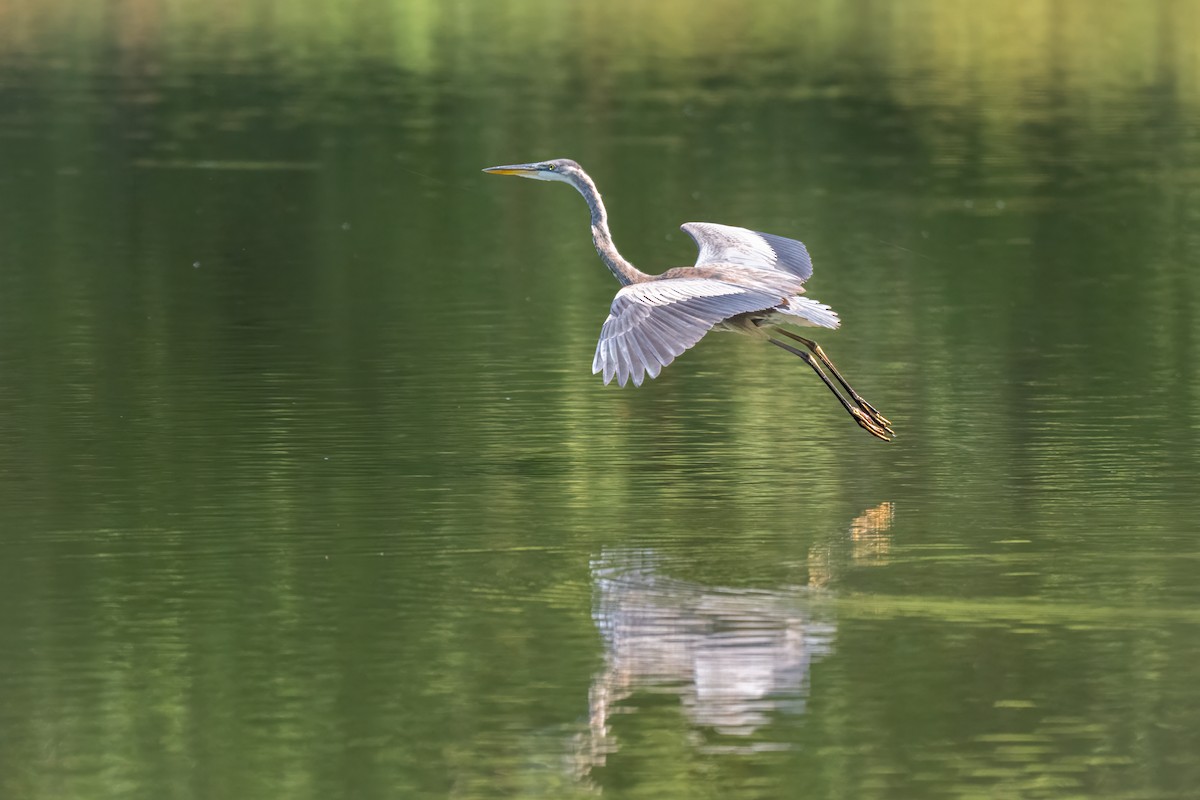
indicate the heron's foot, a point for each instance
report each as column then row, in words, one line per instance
column 876, row 417
column 871, row 426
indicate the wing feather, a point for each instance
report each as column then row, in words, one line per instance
column 652, row 323
column 661, row 336
column 653, row 345
column 726, row 244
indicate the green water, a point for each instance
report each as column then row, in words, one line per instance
column 307, row 490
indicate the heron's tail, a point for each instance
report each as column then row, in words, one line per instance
column 809, row 312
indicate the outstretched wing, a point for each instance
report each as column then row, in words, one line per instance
column 653, row 322
column 725, row 244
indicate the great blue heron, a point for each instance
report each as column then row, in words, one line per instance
column 743, row 281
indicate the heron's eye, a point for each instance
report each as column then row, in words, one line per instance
column 550, row 167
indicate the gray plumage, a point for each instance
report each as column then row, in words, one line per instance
column 653, row 322
column 725, row 244
column 743, row 280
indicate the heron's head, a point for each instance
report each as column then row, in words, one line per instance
column 560, row 169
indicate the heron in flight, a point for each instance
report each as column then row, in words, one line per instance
column 743, row 281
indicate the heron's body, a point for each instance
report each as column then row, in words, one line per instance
column 743, row 281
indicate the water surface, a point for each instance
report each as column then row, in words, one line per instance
column 306, row 489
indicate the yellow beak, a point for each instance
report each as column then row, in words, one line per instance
column 523, row 170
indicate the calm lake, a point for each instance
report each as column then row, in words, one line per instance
column 307, row 489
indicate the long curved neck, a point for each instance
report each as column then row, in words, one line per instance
column 625, row 272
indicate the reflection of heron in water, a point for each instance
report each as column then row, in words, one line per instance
column 743, row 281
column 734, row 657
column 868, row 544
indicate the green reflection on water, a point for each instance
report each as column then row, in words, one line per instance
column 306, row 488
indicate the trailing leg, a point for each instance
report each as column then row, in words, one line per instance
column 860, row 415
column 880, row 419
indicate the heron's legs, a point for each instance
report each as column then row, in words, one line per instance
column 855, row 396
column 864, row 420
